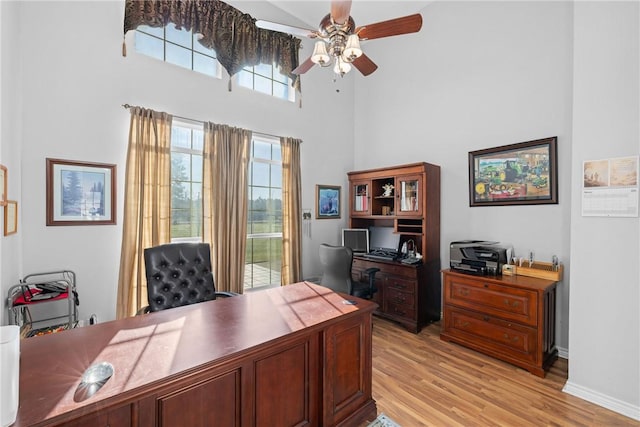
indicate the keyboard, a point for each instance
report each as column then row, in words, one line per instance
column 382, row 255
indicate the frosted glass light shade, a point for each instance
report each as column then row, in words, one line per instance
column 352, row 49
column 341, row 67
column 320, row 55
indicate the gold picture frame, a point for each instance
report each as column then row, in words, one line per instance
column 10, row 217
column 3, row 185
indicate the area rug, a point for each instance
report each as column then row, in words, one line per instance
column 383, row 421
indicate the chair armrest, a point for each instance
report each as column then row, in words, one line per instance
column 143, row 310
column 223, row 294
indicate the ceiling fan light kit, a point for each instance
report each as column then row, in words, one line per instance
column 339, row 39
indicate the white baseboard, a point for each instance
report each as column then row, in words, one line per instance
column 603, row 400
column 563, row 353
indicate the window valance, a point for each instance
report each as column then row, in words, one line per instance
column 232, row 34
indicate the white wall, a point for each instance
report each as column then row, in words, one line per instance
column 478, row 75
column 605, row 298
column 10, row 151
column 74, row 81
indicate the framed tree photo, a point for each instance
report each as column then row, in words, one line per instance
column 327, row 201
column 80, row 193
column 525, row 173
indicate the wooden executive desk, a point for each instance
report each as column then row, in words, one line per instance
column 294, row 355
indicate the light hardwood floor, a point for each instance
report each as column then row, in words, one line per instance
column 419, row 380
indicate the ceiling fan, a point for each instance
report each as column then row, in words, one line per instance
column 339, row 38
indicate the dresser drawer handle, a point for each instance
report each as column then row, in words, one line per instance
column 514, row 304
column 485, row 318
column 512, row 339
column 399, row 285
column 460, row 324
column 401, row 299
column 398, row 311
column 464, row 292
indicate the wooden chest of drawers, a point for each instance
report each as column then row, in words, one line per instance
column 511, row 318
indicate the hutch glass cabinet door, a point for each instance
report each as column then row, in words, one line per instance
column 408, row 195
column 361, row 198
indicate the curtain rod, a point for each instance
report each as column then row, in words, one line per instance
column 127, row 106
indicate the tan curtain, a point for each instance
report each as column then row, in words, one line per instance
column 291, row 211
column 226, row 160
column 147, row 203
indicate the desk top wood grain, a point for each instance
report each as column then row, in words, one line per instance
column 152, row 349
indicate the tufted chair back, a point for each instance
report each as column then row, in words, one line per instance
column 178, row 274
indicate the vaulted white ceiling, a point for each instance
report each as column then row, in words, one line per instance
column 362, row 11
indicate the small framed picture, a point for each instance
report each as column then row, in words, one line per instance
column 80, row 193
column 3, row 185
column 10, row 217
column 327, row 201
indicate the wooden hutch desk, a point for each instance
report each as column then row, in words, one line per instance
column 293, row 355
column 407, row 294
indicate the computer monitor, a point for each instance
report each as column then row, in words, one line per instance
column 357, row 239
column 383, row 238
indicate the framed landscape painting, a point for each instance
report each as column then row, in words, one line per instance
column 80, row 193
column 525, row 173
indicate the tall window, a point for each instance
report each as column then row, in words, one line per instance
column 186, row 181
column 264, row 228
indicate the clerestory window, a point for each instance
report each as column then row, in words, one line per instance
column 181, row 48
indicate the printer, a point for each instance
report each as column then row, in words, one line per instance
column 479, row 256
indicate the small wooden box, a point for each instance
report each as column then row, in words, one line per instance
column 541, row 270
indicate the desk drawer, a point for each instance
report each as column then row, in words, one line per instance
column 400, row 284
column 506, row 302
column 494, row 335
column 395, row 296
column 400, row 310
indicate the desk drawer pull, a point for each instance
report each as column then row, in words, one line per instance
column 464, row 292
column 514, row 304
column 512, row 339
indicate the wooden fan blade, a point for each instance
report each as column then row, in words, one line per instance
column 288, row 29
column 365, row 65
column 340, row 10
column 304, row 67
column 393, row 27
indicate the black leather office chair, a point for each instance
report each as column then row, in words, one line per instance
column 336, row 263
column 179, row 274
